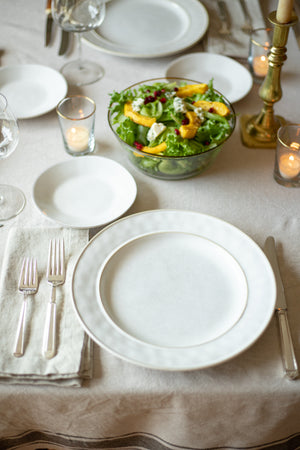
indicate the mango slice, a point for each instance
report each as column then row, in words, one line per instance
column 155, row 150
column 189, row 131
column 218, row 107
column 191, row 89
column 137, row 117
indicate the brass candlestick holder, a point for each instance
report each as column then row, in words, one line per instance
column 260, row 130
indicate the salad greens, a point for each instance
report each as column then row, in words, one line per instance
column 161, row 149
column 158, row 102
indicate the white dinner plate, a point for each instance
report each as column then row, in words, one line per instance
column 85, row 192
column 149, row 28
column 32, row 89
column 212, row 239
column 141, row 283
column 230, row 78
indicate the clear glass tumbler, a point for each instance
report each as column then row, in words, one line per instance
column 287, row 160
column 259, row 49
column 76, row 116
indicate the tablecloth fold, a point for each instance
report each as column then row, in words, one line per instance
column 73, row 360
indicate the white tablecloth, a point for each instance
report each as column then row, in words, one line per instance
column 243, row 403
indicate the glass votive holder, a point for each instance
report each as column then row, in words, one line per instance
column 76, row 115
column 287, row 160
column 259, row 49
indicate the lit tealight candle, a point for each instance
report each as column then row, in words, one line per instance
column 260, row 65
column 289, row 165
column 77, row 138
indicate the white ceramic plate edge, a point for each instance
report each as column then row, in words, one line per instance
column 92, row 40
column 247, row 81
column 237, row 270
column 37, row 67
column 200, row 358
column 88, row 158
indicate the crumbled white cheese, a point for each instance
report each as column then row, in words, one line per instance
column 199, row 112
column 137, row 103
column 156, row 129
column 179, row 105
column 170, row 94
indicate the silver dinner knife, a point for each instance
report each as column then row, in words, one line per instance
column 64, row 43
column 49, row 23
column 287, row 348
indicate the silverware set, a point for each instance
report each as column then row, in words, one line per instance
column 28, row 285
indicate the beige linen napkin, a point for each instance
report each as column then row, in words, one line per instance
column 73, row 361
column 236, row 45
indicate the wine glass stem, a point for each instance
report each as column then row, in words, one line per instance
column 79, row 44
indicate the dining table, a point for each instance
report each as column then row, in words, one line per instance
column 243, row 402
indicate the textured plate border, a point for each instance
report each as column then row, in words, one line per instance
column 257, row 269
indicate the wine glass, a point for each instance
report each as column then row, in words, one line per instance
column 12, row 200
column 79, row 16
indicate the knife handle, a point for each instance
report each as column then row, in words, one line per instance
column 288, row 354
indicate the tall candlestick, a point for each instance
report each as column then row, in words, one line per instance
column 284, row 11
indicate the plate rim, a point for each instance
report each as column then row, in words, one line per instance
column 176, row 365
column 76, row 161
column 220, row 57
column 25, row 67
column 193, row 4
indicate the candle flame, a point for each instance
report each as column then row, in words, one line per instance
column 295, row 145
column 291, row 158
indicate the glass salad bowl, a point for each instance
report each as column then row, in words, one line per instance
column 171, row 128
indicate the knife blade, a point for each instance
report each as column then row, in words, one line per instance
column 287, row 348
column 64, row 42
column 49, row 23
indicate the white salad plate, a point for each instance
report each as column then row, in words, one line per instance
column 146, row 274
column 84, row 192
column 31, row 89
column 149, row 28
column 230, row 78
column 142, row 283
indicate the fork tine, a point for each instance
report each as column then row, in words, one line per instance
column 24, row 272
column 51, row 257
column 62, row 257
column 35, row 277
column 57, row 257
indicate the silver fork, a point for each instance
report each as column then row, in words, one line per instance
column 55, row 276
column 247, row 25
column 28, row 285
